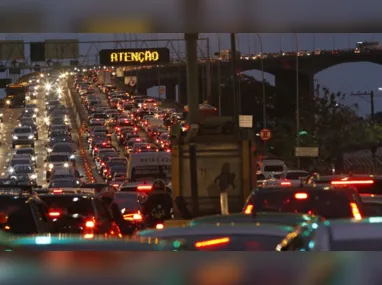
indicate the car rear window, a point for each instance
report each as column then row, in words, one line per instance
column 70, row 205
column 328, row 204
column 274, row 168
column 295, row 175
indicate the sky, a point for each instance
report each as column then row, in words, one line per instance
column 347, row 78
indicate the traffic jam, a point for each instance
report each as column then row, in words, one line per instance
column 105, row 183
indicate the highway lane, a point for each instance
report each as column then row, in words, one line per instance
column 10, row 117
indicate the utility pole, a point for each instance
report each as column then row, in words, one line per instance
column 234, row 76
column 371, row 95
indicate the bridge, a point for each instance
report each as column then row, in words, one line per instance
column 282, row 67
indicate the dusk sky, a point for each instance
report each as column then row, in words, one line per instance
column 347, row 78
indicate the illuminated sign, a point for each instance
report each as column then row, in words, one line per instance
column 149, row 56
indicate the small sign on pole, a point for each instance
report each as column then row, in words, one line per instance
column 265, row 134
column 245, row 121
column 307, row 151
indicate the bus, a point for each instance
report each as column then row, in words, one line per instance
column 15, row 95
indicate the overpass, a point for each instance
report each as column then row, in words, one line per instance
column 282, row 67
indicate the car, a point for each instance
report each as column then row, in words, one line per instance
column 23, row 136
column 27, row 150
column 28, row 122
column 62, row 172
column 56, row 160
column 336, row 235
column 289, row 178
column 22, row 213
column 28, row 157
column 65, row 147
column 24, row 169
column 80, row 214
column 328, row 202
column 227, row 237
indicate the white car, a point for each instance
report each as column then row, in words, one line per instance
column 288, row 178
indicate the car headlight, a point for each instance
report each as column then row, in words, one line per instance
column 36, row 110
column 27, row 97
column 8, row 102
column 33, row 176
column 72, row 156
column 1, row 114
column 30, row 137
column 50, row 150
column 34, row 116
column 50, row 165
column 33, row 158
column 11, row 170
column 15, row 137
column 66, row 164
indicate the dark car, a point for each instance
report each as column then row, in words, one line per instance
column 80, row 214
column 327, row 202
column 22, row 213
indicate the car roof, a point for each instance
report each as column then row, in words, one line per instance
column 309, row 189
column 265, row 217
column 225, row 229
column 58, row 153
column 352, row 229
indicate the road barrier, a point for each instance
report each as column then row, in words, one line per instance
column 87, row 166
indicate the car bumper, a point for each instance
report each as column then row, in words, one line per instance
column 23, row 141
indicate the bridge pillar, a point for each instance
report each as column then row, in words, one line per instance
column 182, row 91
column 285, row 82
column 171, row 92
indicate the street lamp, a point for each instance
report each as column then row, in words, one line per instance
column 263, row 82
column 297, row 102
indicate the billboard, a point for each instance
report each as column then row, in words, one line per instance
column 11, row 50
column 131, row 57
column 62, row 49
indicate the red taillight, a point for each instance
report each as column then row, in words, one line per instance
column 355, row 211
column 103, row 163
column 168, row 150
column 212, row 242
column 96, row 149
column 54, row 214
column 286, row 183
column 352, row 182
column 135, row 129
column 144, row 188
column 57, row 191
column 159, row 226
column 89, row 224
column 300, row 196
column 248, row 209
column 115, row 185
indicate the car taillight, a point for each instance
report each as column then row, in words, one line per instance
column 168, row 150
column 300, row 196
column 54, row 214
column 115, row 185
column 355, row 211
column 352, row 182
column 89, row 224
column 159, row 226
column 248, row 209
column 286, row 183
column 212, row 242
column 57, row 191
column 133, row 217
column 144, row 188
column 96, row 149
column 103, row 163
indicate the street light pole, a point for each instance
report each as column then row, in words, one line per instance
column 263, row 82
column 297, row 102
column 219, row 75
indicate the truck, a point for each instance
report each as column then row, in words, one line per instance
column 367, row 46
column 15, row 95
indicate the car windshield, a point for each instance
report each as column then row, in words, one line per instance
column 273, row 168
column 25, row 151
column 70, row 205
column 63, row 184
column 58, row 133
column 20, row 161
column 58, row 158
column 26, row 121
column 22, row 130
column 62, row 148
